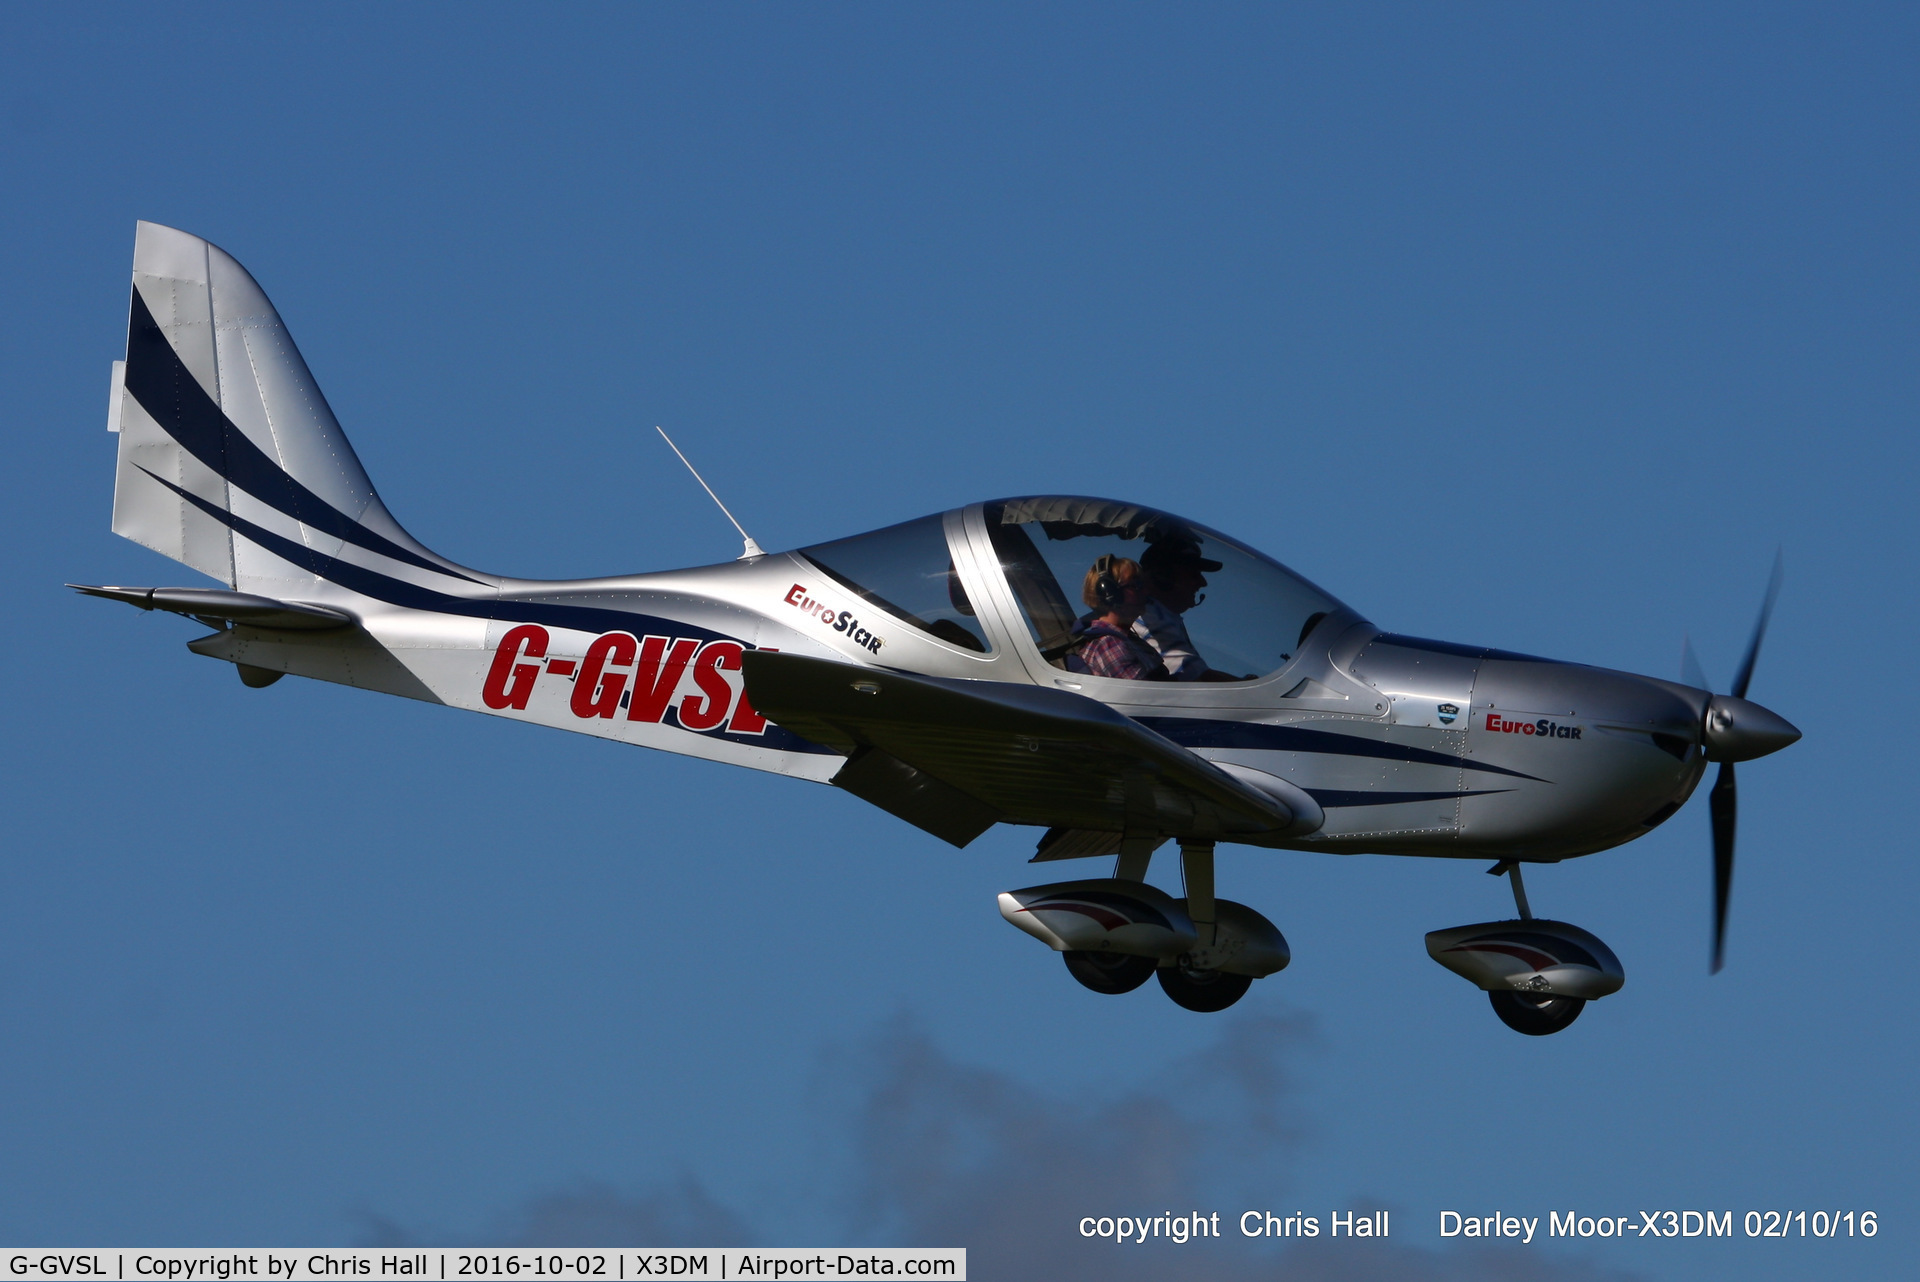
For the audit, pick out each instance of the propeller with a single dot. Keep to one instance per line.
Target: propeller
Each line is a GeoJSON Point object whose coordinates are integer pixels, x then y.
{"type": "Point", "coordinates": [1734, 730]}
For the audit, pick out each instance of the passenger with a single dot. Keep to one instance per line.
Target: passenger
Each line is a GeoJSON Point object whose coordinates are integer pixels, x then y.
{"type": "Point", "coordinates": [1115, 590]}
{"type": "Point", "coordinates": [1175, 573]}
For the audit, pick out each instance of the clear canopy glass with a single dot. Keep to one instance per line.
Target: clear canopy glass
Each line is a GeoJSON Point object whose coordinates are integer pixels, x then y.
{"type": "Point", "coordinates": [907, 571]}
{"type": "Point", "coordinates": [1239, 613]}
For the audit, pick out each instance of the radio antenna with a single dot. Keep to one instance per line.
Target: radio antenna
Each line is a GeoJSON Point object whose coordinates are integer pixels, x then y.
{"type": "Point", "coordinates": [753, 549]}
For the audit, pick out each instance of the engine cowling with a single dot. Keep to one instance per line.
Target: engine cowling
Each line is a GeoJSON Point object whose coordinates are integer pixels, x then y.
{"type": "Point", "coordinates": [1109, 914]}
{"type": "Point", "coordinates": [1551, 958]}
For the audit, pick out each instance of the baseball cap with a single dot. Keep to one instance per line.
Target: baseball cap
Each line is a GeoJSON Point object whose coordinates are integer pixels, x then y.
{"type": "Point", "coordinates": [1175, 551]}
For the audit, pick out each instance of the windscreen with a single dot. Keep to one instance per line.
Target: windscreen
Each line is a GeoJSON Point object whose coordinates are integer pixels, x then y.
{"type": "Point", "coordinates": [1239, 614]}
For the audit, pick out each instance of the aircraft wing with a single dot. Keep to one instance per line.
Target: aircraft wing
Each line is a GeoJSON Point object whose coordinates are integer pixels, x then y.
{"type": "Point", "coordinates": [955, 757]}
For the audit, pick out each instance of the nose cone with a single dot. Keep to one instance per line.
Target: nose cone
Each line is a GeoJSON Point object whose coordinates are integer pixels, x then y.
{"type": "Point", "coordinates": [1740, 730]}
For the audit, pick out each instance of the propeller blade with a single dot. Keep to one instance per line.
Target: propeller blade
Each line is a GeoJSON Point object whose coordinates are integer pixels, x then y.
{"type": "Point", "coordinates": [1691, 673]}
{"type": "Point", "coordinates": [1723, 803]}
{"type": "Point", "coordinates": [1745, 674]}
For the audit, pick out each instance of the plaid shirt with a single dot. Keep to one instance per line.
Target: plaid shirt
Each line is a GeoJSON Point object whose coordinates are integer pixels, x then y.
{"type": "Point", "coordinates": [1113, 653]}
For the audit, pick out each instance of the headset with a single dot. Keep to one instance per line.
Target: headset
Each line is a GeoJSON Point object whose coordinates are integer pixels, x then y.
{"type": "Point", "coordinates": [1107, 589]}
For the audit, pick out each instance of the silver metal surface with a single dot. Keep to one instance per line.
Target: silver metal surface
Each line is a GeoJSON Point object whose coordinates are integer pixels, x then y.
{"type": "Point", "coordinates": [1548, 958]}
{"type": "Point", "coordinates": [1741, 730]}
{"type": "Point", "coordinates": [1103, 915]}
{"type": "Point", "coordinates": [218, 603]}
{"type": "Point", "coordinates": [229, 460]}
{"type": "Point", "coordinates": [1113, 915]}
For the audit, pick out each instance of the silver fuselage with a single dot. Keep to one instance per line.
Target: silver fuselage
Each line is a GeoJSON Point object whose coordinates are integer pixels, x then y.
{"type": "Point", "coordinates": [1412, 747]}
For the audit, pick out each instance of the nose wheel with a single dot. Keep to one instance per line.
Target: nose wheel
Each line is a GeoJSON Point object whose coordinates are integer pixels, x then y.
{"type": "Point", "coordinates": [1534, 1015]}
{"type": "Point", "coordinates": [1538, 974]}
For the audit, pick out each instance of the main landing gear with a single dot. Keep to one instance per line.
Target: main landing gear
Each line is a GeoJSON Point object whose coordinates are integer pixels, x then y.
{"type": "Point", "coordinates": [1115, 933]}
{"type": "Point", "coordinates": [1538, 974]}
{"type": "Point", "coordinates": [1198, 988]}
{"type": "Point", "coordinates": [1111, 973]}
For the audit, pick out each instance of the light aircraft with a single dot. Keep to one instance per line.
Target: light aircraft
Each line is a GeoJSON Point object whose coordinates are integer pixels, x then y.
{"type": "Point", "coordinates": [1045, 660]}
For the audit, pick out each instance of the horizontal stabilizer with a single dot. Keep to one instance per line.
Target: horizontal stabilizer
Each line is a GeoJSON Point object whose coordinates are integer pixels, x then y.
{"type": "Point", "coordinates": [1028, 755]}
{"type": "Point", "coordinates": [219, 603]}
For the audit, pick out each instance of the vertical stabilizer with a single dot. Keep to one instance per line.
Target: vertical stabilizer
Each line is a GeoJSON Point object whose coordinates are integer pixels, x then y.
{"type": "Point", "coordinates": [229, 458]}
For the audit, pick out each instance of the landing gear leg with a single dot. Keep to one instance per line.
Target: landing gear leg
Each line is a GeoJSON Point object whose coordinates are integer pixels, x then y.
{"type": "Point", "coordinates": [1511, 867]}
{"type": "Point", "coordinates": [1193, 981]}
{"type": "Point", "coordinates": [1196, 874]}
{"type": "Point", "coordinates": [1136, 852]}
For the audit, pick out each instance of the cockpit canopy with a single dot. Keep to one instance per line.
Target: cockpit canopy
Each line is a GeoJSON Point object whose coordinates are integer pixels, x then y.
{"type": "Point", "coordinates": [907, 570]}
{"type": "Point", "coordinates": [1250, 615]}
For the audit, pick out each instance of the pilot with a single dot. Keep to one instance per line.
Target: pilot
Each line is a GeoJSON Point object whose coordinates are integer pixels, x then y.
{"type": "Point", "coordinates": [1175, 573]}
{"type": "Point", "coordinates": [1115, 591]}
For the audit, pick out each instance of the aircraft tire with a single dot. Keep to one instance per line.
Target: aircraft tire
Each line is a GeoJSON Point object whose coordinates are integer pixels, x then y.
{"type": "Point", "coordinates": [1111, 973]}
{"type": "Point", "coordinates": [1535, 1016]}
{"type": "Point", "coordinates": [1203, 990]}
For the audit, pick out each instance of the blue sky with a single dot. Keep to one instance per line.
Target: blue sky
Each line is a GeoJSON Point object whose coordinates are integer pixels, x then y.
{"type": "Point", "coordinates": [1536, 328]}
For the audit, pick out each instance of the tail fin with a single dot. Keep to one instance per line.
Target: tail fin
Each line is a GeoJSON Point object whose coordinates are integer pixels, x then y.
{"type": "Point", "coordinates": [229, 458]}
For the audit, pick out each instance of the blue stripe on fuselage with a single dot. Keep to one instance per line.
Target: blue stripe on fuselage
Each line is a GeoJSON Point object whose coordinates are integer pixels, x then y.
{"type": "Point", "coordinates": [578, 618]}
{"type": "Point", "coordinates": [1200, 732]}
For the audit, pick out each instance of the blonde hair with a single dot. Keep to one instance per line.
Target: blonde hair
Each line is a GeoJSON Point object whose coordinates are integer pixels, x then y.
{"type": "Point", "coordinates": [1123, 572]}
